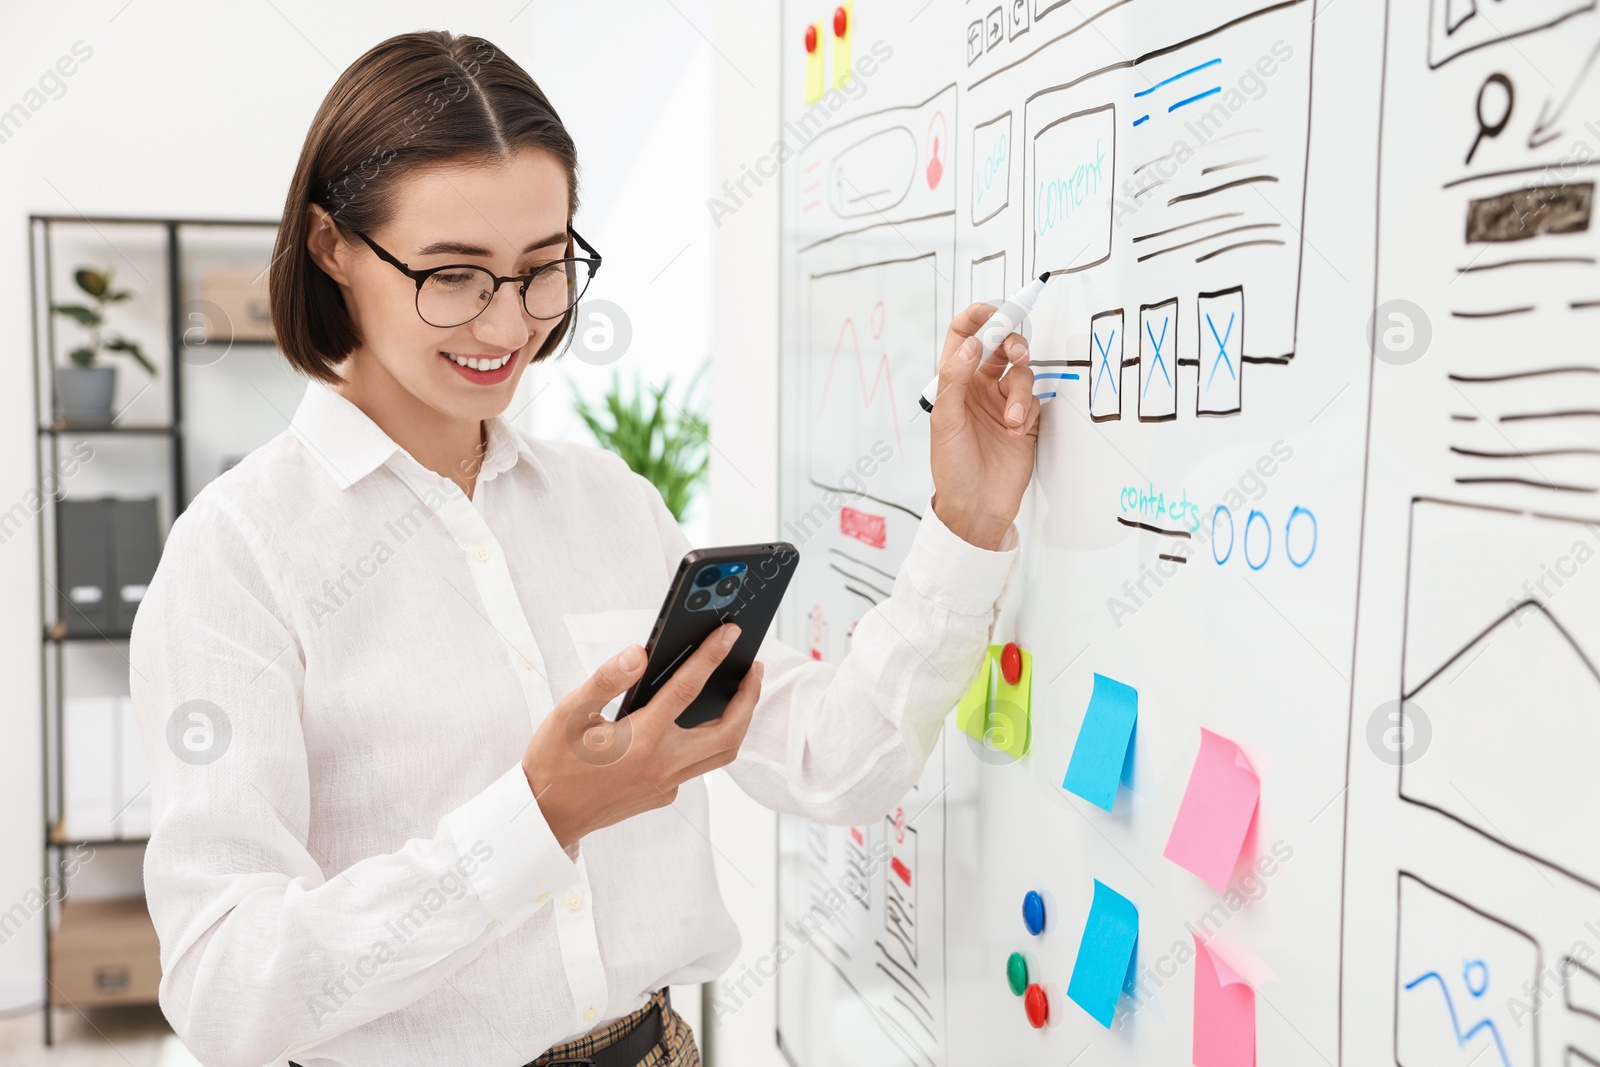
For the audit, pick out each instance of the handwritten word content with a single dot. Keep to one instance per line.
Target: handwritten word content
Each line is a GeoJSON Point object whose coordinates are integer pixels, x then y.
{"type": "Point", "coordinates": [1072, 192]}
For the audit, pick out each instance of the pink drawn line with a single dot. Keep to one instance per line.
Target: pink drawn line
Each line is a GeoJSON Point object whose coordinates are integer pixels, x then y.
{"type": "Point", "coordinates": [808, 207]}
{"type": "Point", "coordinates": [814, 185]}
{"type": "Point", "coordinates": [813, 166]}
{"type": "Point", "coordinates": [868, 393]}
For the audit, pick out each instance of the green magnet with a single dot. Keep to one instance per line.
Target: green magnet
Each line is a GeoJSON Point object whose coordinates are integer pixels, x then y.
{"type": "Point", "coordinates": [1017, 973]}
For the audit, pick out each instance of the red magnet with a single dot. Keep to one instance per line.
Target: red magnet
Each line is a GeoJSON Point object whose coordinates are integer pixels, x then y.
{"type": "Point", "coordinates": [1010, 663]}
{"type": "Point", "coordinates": [841, 22]}
{"type": "Point", "coordinates": [811, 38]}
{"type": "Point", "coordinates": [1037, 1005]}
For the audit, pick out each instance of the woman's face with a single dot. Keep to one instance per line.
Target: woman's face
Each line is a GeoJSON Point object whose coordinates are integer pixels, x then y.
{"type": "Point", "coordinates": [508, 218]}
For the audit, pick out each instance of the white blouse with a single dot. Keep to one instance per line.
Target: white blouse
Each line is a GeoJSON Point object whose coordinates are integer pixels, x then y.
{"type": "Point", "coordinates": [336, 670]}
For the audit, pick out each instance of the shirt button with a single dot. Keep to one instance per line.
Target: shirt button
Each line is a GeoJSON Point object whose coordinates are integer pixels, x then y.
{"type": "Point", "coordinates": [483, 555]}
{"type": "Point", "coordinates": [527, 663]}
{"type": "Point", "coordinates": [574, 900]}
{"type": "Point", "coordinates": [591, 1014]}
{"type": "Point", "coordinates": [541, 898]}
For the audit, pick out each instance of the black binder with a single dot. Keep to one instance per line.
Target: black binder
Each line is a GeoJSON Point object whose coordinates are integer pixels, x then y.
{"type": "Point", "coordinates": [106, 554]}
{"type": "Point", "coordinates": [83, 567]}
{"type": "Point", "coordinates": [135, 548]}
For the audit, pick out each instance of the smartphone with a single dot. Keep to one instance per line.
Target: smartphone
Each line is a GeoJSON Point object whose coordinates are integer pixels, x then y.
{"type": "Point", "coordinates": [742, 584]}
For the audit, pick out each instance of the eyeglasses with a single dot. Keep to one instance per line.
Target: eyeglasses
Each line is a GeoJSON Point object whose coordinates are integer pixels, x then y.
{"type": "Point", "coordinates": [457, 293]}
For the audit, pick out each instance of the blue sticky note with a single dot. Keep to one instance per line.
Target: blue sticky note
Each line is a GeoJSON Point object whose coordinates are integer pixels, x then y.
{"type": "Point", "coordinates": [1106, 955]}
{"type": "Point", "coordinates": [1103, 755]}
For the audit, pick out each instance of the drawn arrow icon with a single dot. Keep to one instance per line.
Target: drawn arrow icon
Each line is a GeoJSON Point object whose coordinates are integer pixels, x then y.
{"type": "Point", "coordinates": [1542, 133]}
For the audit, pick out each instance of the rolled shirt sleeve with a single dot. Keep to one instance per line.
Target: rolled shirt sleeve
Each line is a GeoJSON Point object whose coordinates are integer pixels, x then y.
{"type": "Point", "coordinates": [842, 743]}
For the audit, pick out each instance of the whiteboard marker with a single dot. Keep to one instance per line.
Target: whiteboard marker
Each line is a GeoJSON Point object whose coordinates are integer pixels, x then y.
{"type": "Point", "coordinates": [1001, 324]}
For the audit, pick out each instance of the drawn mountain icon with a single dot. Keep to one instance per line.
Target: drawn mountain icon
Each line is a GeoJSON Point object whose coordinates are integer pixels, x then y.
{"type": "Point", "coordinates": [1515, 732]}
{"type": "Point", "coordinates": [1457, 12]}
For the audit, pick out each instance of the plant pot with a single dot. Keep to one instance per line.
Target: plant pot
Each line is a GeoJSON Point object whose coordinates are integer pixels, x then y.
{"type": "Point", "coordinates": [83, 394]}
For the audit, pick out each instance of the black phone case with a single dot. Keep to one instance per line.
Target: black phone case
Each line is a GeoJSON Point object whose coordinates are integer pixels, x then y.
{"type": "Point", "coordinates": [678, 630]}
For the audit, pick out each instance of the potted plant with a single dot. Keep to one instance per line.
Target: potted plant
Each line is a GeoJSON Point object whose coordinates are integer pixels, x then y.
{"type": "Point", "coordinates": [656, 438]}
{"type": "Point", "coordinates": [84, 389]}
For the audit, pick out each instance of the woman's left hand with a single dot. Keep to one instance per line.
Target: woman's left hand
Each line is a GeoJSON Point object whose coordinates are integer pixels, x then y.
{"type": "Point", "coordinates": [984, 430]}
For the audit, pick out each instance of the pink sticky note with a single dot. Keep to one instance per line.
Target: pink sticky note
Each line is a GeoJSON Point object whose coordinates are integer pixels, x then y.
{"type": "Point", "coordinates": [1216, 811]}
{"type": "Point", "coordinates": [1224, 1013]}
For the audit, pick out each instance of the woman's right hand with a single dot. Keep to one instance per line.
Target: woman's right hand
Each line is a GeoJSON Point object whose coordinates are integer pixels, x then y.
{"type": "Point", "coordinates": [587, 772]}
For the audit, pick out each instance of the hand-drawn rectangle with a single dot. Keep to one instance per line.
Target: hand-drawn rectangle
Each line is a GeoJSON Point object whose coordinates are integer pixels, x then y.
{"type": "Point", "coordinates": [1524, 213]}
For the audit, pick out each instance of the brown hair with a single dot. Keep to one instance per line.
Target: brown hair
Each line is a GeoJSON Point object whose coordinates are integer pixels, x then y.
{"type": "Point", "coordinates": [414, 101]}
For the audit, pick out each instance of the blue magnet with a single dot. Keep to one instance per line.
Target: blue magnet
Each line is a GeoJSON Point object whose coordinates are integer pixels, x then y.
{"type": "Point", "coordinates": [1033, 912]}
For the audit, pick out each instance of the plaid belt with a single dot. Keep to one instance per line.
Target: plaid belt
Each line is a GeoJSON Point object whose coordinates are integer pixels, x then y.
{"type": "Point", "coordinates": [653, 1036]}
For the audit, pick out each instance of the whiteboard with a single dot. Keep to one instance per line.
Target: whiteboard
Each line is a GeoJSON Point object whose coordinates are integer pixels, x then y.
{"type": "Point", "coordinates": [1366, 564]}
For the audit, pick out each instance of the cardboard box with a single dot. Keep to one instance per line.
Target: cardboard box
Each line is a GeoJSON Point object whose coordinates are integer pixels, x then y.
{"type": "Point", "coordinates": [240, 295]}
{"type": "Point", "coordinates": [105, 952]}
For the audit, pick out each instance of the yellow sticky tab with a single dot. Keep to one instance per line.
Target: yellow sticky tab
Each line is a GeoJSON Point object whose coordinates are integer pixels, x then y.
{"type": "Point", "coordinates": [814, 63]}
{"type": "Point", "coordinates": [972, 714]}
{"type": "Point", "coordinates": [1010, 720]}
{"type": "Point", "coordinates": [842, 52]}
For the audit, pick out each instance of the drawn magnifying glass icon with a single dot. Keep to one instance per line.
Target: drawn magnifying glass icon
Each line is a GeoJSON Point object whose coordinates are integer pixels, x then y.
{"type": "Point", "coordinates": [1486, 128]}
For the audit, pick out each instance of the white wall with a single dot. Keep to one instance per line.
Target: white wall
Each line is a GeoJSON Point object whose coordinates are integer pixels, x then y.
{"type": "Point", "coordinates": [744, 464]}
{"type": "Point", "coordinates": [199, 110]}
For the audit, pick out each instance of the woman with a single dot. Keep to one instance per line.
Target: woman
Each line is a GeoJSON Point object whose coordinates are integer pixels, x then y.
{"type": "Point", "coordinates": [391, 825]}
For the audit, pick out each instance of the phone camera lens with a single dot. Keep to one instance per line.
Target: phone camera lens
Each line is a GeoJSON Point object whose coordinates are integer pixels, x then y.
{"type": "Point", "coordinates": [708, 576]}
{"type": "Point", "coordinates": [699, 599]}
{"type": "Point", "coordinates": [728, 586]}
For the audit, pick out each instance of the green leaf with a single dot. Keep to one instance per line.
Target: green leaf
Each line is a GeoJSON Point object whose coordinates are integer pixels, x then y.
{"type": "Point", "coordinates": [83, 316]}
{"type": "Point", "coordinates": [119, 296]}
{"type": "Point", "coordinates": [83, 357]}
{"type": "Point", "coordinates": [661, 440]}
{"type": "Point", "coordinates": [121, 344]}
{"type": "Point", "coordinates": [92, 282]}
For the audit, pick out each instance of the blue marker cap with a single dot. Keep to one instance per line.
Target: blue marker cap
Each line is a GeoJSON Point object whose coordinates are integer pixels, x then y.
{"type": "Point", "coordinates": [1033, 912]}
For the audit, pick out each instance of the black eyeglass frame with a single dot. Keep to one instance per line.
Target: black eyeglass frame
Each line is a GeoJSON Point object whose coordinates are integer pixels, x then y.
{"type": "Point", "coordinates": [421, 276]}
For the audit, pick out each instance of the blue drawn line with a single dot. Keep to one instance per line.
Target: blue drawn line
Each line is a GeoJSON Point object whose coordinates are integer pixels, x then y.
{"type": "Point", "coordinates": [1141, 120]}
{"type": "Point", "coordinates": [1196, 96]}
{"type": "Point", "coordinates": [1105, 362]}
{"type": "Point", "coordinates": [1222, 348]}
{"type": "Point", "coordinates": [1463, 1038]}
{"type": "Point", "coordinates": [1067, 377]}
{"type": "Point", "coordinates": [1175, 77]}
{"type": "Point", "coordinates": [1157, 345]}
{"type": "Point", "coordinates": [1044, 396]}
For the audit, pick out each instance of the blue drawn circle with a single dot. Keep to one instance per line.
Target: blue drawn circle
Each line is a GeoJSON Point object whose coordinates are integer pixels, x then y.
{"type": "Point", "coordinates": [1479, 968]}
{"type": "Point", "coordinates": [1288, 551]}
{"type": "Point", "coordinates": [1222, 509]}
{"type": "Point", "coordinates": [1254, 515]}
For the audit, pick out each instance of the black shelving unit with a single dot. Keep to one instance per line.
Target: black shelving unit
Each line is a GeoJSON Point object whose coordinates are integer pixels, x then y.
{"type": "Point", "coordinates": [42, 230]}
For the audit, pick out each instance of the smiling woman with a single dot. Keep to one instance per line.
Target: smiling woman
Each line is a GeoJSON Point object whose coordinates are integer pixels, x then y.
{"type": "Point", "coordinates": [416, 838]}
{"type": "Point", "coordinates": [428, 153]}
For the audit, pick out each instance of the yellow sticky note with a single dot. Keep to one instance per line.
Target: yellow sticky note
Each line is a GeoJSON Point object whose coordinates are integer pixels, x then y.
{"type": "Point", "coordinates": [842, 60]}
{"type": "Point", "coordinates": [814, 64]}
{"type": "Point", "coordinates": [972, 714]}
{"type": "Point", "coordinates": [1010, 717]}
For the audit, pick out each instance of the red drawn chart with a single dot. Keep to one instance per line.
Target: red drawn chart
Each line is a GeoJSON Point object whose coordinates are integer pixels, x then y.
{"type": "Point", "coordinates": [849, 344]}
{"type": "Point", "coordinates": [873, 346]}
